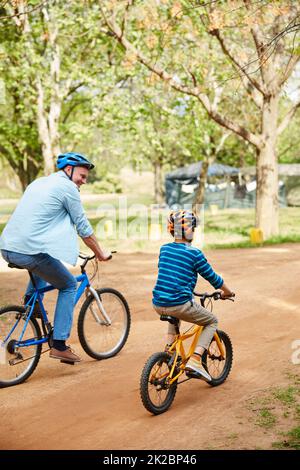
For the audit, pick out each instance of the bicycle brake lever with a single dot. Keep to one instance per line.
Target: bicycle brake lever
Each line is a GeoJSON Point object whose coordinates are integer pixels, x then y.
{"type": "Point", "coordinates": [225, 298]}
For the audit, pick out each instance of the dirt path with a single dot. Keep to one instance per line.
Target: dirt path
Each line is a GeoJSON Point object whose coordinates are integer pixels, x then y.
{"type": "Point", "coordinates": [96, 405]}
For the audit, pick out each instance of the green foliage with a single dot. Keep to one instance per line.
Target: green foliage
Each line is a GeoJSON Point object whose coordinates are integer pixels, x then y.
{"type": "Point", "coordinates": [64, 53]}
{"type": "Point", "coordinates": [114, 109]}
{"type": "Point", "coordinates": [289, 142]}
{"type": "Point", "coordinates": [108, 185]}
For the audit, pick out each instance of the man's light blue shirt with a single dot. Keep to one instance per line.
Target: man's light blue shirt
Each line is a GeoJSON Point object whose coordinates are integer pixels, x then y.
{"type": "Point", "coordinates": [47, 220]}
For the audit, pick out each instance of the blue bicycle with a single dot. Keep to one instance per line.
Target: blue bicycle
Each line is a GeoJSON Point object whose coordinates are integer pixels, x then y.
{"type": "Point", "coordinates": [103, 327]}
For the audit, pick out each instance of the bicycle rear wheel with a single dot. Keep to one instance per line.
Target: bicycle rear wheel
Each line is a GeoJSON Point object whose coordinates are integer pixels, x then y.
{"type": "Point", "coordinates": [19, 363]}
{"type": "Point", "coordinates": [156, 393]}
{"type": "Point", "coordinates": [99, 340]}
{"type": "Point", "coordinates": [217, 366]}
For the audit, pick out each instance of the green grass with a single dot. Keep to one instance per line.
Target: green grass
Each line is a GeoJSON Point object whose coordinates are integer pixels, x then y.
{"type": "Point", "coordinates": [277, 411]}
{"type": "Point", "coordinates": [287, 395]}
{"type": "Point", "coordinates": [292, 440]}
{"type": "Point", "coordinates": [266, 418]}
{"type": "Point", "coordinates": [231, 223]}
{"type": "Point", "coordinates": [247, 244]}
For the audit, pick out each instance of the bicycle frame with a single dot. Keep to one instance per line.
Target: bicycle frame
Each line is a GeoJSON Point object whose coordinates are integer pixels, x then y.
{"type": "Point", "coordinates": [38, 296]}
{"type": "Point", "coordinates": [178, 348]}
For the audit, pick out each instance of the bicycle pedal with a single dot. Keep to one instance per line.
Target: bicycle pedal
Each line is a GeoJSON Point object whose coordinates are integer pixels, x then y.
{"type": "Point", "coordinates": [192, 375]}
{"type": "Point", "coordinates": [67, 362]}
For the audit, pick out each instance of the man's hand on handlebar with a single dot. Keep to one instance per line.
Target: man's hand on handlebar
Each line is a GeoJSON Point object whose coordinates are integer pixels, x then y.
{"type": "Point", "coordinates": [104, 255]}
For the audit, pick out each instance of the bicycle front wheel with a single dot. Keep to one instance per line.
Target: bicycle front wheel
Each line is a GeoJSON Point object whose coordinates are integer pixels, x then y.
{"type": "Point", "coordinates": [156, 393]}
{"type": "Point", "coordinates": [17, 363]}
{"type": "Point", "coordinates": [217, 366]}
{"type": "Point", "coordinates": [98, 339]}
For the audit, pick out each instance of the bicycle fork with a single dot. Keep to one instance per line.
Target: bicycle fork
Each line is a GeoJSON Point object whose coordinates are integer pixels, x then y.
{"type": "Point", "coordinates": [106, 320]}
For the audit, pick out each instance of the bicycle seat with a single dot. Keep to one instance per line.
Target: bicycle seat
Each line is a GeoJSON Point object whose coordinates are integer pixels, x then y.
{"type": "Point", "coordinates": [12, 265]}
{"type": "Point", "coordinates": [172, 320]}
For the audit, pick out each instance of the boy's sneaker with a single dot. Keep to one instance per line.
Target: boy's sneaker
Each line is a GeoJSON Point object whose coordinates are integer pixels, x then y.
{"type": "Point", "coordinates": [195, 368]}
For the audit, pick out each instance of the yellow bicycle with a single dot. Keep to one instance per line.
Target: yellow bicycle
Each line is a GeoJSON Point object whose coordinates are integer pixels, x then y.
{"type": "Point", "coordinates": [161, 373]}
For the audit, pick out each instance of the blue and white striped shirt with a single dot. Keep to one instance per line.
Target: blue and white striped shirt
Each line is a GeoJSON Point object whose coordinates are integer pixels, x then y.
{"type": "Point", "coordinates": [178, 267]}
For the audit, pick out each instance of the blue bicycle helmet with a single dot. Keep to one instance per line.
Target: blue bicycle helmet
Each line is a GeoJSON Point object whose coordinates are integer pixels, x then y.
{"type": "Point", "coordinates": [73, 159]}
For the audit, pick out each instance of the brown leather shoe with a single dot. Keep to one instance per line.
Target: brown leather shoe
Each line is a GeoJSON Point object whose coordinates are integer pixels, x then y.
{"type": "Point", "coordinates": [68, 355]}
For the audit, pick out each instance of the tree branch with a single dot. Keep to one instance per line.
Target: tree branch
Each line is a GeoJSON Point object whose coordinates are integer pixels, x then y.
{"type": "Point", "coordinates": [252, 92]}
{"type": "Point", "coordinates": [289, 147]}
{"type": "Point", "coordinates": [294, 59]}
{"type": "Point", "coordinates": [176, 85]}
{"type": "Point", "coordinates": [73, 106]}
{"type": "Point", "coordinates": [287, 118]}
{"type": "Point", "coordinates": [222, 142]}
{"type": "Point", "coordinates": [129, 3]}
{"type": "Point", "coordinates": [242, 69]}
{"type": "Point", "coordinates": [72, 90]}
{"type": "Point", "coordinates": [260, 46]}
{"type": "Point", "coordinates": [22, 11]}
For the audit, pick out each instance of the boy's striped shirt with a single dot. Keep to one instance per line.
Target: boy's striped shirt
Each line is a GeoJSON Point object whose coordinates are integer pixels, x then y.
{"type": "Point", "coordinates": [178, 267]}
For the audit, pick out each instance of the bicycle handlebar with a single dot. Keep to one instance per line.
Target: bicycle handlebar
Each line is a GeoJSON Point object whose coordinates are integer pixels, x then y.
{"type": "Point", "coordinates": [86, 257]}
{"type": "Point", "coordinates": [89, 258]}
{"type": "Point", "coordinates": [217, 295]}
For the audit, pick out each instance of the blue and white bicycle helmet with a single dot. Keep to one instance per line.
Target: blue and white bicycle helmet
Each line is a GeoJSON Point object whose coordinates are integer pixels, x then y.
{"type": "Point", "coordinates": [73, 159]}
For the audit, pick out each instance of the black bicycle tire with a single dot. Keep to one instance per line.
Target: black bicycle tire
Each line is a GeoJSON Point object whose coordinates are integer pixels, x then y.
{"type": "Point", "coordinates": [144, 393]}
{"type": "Point", "coordinates": [80, 329]}
{"type": "Point", "coordinates": [228, 360]}
{"type": "Point", "coordinates": [17, 381]}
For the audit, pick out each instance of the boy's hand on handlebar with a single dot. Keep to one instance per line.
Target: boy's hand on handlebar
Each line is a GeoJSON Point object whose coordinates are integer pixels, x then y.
{"type": "Point", "coordinates": [226, 293]}
{"type": "Point", "coordinates": [230, 295]}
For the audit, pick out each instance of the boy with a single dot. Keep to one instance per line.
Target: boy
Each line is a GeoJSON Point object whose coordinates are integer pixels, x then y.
{"type": "Point", "coordinates": [178, 268]}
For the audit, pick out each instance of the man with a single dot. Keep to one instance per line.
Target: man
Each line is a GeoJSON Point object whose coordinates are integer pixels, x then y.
{"type": "Point", "coordinates": [42, 232]}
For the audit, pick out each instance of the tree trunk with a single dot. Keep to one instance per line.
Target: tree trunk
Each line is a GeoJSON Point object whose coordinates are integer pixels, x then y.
{"type": "Point", "coordinates": [43, 129]}
{"type": "Point", "coordinates": [48, 118]}
{"type": "Point", "coordinates": [25, 175]}
{"type": "Point", "coordinates": [199, 196]}
{"type": "Point", "coordinates": [56, 100]}
{"type": "Point", "coordinates": [267, 172]}
{"type": "Point", "coordinates": [54, 114]}
{"type": "Point", "coordinates": [210, 157]}
{"type": "Point", "coordinates": [158, 187]}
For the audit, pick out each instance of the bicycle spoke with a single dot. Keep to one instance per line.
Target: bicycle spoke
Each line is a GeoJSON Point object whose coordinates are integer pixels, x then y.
{"type": "Point", "coordinates": [20, 361]}
{"type": "Point", "coordinates": [156, 392]}
{"type": "Point", "coordinates": [217, 365]}
{"type": "Point", "coordinates": [99, 339]}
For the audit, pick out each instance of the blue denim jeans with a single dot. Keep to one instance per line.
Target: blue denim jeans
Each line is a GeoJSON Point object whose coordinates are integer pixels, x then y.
{"type": "Point", "coordinates": [46, 269]}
